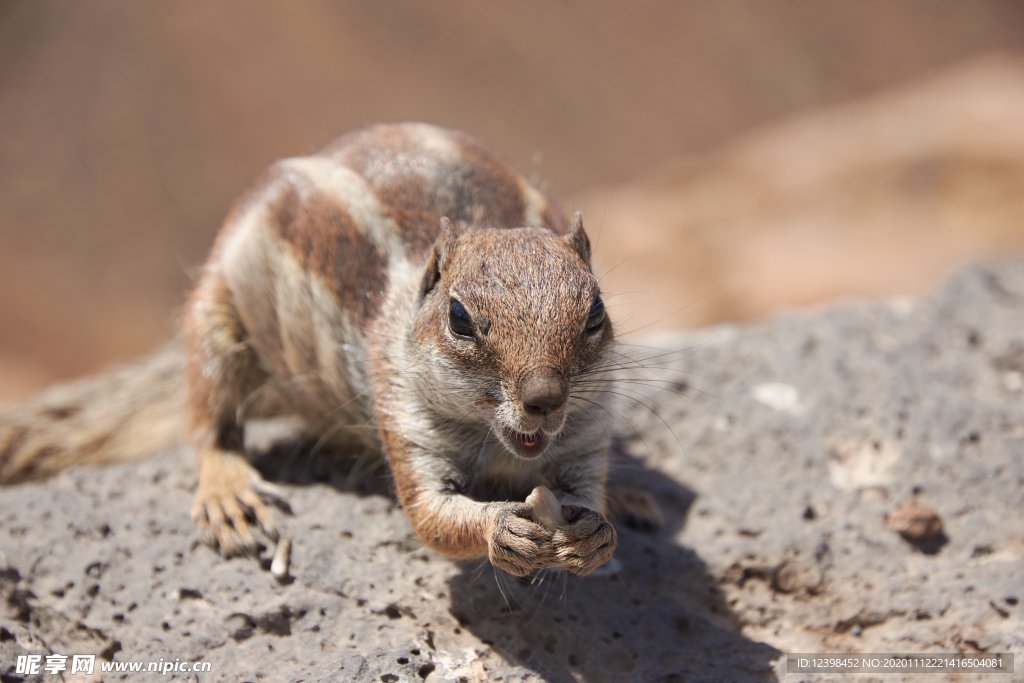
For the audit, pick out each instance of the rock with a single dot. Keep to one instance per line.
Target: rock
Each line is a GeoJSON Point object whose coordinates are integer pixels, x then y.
{"type": "Point", "coordinates": [774, 537]}
{"type": "Point", "coordinates": [914, 521]}
{"type": "Point", "coordinates": [919, 525]}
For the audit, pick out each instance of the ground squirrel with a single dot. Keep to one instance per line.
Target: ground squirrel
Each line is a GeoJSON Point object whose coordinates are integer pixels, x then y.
{"type": "Point", "coordinates": [404, 293]}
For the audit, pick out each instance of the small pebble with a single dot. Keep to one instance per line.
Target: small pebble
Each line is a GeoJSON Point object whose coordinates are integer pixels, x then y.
{"type": "Point", "coordinates": [914, 521]}
{"type": "Point", "coordinates": [282, 559]}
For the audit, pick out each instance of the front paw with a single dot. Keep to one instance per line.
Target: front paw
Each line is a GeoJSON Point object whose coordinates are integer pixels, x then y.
{"type": "Point", "coordinates": [517, 544]}
{"type": "Point", "coordinates": [229, 502]}
{"type": "Point", "coordinates": [585, 542]}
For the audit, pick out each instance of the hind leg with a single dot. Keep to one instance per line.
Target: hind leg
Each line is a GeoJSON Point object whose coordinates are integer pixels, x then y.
{"type": "Point", "coordinates": [634, 507]}
{"type": "Point", "coordinates": [222, 374]}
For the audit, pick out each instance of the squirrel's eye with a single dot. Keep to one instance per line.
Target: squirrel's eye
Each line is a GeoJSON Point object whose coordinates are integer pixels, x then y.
{"type": "Point", "coordinates": [596, 317]}
{"type": "Point", "coordinates": [459, 321]}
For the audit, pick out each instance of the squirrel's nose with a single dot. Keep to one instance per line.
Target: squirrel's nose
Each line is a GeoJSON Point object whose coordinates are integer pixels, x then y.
{"type": "Point", "coordinates": [543, 392]}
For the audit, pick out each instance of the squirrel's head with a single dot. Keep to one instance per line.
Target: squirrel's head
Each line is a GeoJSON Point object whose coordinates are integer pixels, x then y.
{"type": "Point", "coordinates": [512, 319]}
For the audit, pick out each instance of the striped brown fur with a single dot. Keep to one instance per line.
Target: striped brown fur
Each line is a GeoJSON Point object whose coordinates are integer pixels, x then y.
{"type": "Point", "coordinates": [326, 241]}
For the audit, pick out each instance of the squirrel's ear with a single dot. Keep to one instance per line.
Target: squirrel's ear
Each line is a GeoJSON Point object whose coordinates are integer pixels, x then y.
{"type": "Point", "coordinates": [438, 256]}
{"type": "Point", "coordinates": [577, 238]}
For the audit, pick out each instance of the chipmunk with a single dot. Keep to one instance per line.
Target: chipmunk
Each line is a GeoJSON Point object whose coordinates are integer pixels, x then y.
{"type": "Point", "coordinates": [404, 293]}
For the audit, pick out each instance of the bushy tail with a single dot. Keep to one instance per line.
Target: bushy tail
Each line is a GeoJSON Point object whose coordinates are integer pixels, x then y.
{"type": "Point", "coordinates": [126, 413]}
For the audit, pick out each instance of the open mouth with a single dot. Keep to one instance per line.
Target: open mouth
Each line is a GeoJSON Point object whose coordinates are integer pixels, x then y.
{"type": "Point", "coordinates": [526, 445]}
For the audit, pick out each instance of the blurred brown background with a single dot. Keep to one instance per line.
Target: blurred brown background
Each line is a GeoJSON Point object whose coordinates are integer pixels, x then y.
{"type": "Point", "coordinates": [732, 158]}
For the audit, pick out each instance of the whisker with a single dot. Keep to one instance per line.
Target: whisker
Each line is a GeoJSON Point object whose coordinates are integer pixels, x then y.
{"type": "Point", "coordinates": [678, 387]}
{"type": "Point", "coordinates": [654, 412]}
{"type": "Point", "coordinates": [636, 432]}
{"type": "Point", "coordinates": [613, 268]}
{"type": "Point", "coordinates": [663, 318]}
{"type": "Point", "coordinates": [501, 589]}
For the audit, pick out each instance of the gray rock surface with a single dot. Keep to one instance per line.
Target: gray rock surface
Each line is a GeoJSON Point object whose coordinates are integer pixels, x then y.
{"type": "Point", "coordinates": [777, 452]}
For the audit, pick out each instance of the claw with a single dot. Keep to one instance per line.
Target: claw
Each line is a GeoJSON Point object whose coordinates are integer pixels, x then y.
{"type": "Point", "coordinates": [586, 543]}
{"type": "Point", "coordinates": [253, 501]}
{"type": "Point", "coordinates": [518, 545]}
{"type": "Point", "coordinates": [271, 493]}
{"type": "Point", "coordinates": [229, 503]}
